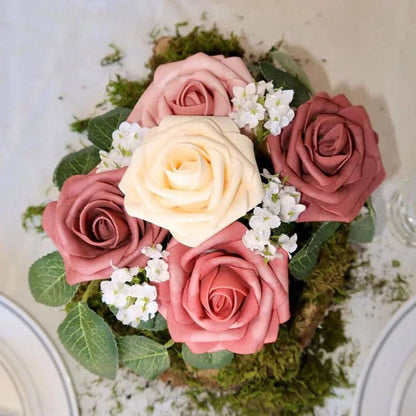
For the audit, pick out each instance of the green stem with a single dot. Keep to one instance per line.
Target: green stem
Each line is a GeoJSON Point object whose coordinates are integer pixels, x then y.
{"type": "Point", "coordinates": [91, 288]}
{"type": "Point", "coordinates": [169, 343]}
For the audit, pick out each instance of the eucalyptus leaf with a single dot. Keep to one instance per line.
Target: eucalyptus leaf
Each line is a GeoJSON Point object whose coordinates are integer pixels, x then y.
{"type": "Point", "coordinates": [158, 323]}
{"type": "Point", "coordinates": [100, 129]}
{"type": "Point", "coordinates": [282, 79]}
{"type": "Point", "coordinates": [212, 360]}
{"type": "Point", "coordinates": [144, 356]}
{"type": "Point", "coordinates": [362, 229]}
{"type": "Point", "coordinates": [290, 65]}
{"type": "Point", "coordinates": [89, 339]}
{"type": "Point", "coordinates": [78, 163]}
{"type": "Point", "coordinates": [47, 281]}
{"type": "Point", "coordinates": [304, 261]}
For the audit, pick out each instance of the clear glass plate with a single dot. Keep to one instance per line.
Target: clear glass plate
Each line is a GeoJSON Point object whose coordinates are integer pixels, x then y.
{"type": "Point", "coordinates": [387, 386]}
{"type": "Point", "coordinates": [31, 368]}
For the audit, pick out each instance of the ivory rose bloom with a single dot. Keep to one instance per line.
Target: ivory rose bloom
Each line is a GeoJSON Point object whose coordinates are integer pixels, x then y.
{"type": "Point", "coordinates": [192, 176]}
{"type": "Point", "coordinates": [223, 296]}
{"type": "Point", "coordinates": [200, 85]}
{"type": "Point", "coordinates": [330, 154]}
{"type": "Point", "coordinates": [91, 229]}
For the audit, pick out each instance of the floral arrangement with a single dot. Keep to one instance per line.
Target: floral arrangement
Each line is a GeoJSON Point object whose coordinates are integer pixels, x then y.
{"type": "Point", "coordinates": [194, 227]}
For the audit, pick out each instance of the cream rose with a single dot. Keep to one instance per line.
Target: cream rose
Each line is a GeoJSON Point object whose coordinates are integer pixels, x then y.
{"type": "Point", "coordinates": [193, 176]}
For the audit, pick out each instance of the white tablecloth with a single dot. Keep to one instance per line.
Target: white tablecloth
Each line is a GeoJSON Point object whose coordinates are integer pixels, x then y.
{"type": "Point", "coordinates": [50, 72]}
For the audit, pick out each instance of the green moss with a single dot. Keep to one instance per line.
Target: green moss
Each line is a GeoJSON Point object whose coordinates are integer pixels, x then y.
{"type": "Point", "coordinates": [116, 56]}
{"type": "Point", "coordinates": [32, 218]}
{"type": "Point", "coordinates": [210, 41]}
{"type": "Point", "coordinates": [399, 289]}
{"type": "Point", "coordinates": [395, 263]}
{"type": "Point", "coordinates": [79, 125]}
{"type": "Point", "coordinates": [122, 92]}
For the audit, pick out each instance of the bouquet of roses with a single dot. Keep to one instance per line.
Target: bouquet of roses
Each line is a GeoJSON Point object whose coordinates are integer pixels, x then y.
{"type": "Point", "coordinates": [177, 229]}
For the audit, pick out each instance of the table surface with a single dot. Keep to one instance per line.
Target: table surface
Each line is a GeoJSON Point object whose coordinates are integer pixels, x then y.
{"type": "Point", "coordinates": [52, 72]}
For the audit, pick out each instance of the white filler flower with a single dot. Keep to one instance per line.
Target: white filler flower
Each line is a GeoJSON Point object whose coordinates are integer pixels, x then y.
{"type": "Point", "coordinates": [126, 139]}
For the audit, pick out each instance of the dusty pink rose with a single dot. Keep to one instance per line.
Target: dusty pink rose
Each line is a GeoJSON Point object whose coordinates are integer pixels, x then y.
{"type": "Point", "coordinates": [200, 85]}
{"type": "Point", "coordinates": [330, 154]}
{"type": "Point", "coordinates": [222, 296]}
{"type": "Point", "coordinates": [91, 230]}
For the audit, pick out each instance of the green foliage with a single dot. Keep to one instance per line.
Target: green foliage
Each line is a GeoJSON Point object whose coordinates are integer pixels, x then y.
{"type": "Point", "coordinates": [363, 228]}
{"type": "Point", "coordinates": [47, 281]}
{"type": "Point", "coordinates": [78, 163]}
{"type": "Point", "coordinates": [89, 339]}
{"type": "Point", "coordinates": [209, 360]}
{"type": "Point", "coordinates": [144, 356]}
{"type": "Point", "coordinates": [100, 129]}
{"type": "Point", "coordinates": [158, 323]}
{"type": "Point", "coordinates": [116, 56]}
{"type": "Point", "coordinates": [304, 261]}
{"type": "Point", "coordinates": [209, 41]}
{"type": "Point", "coordinates": [291, 67]}
{"type": "Point", "coordinates": [282, 79]}
{"type": "Point", "coordinates": [32, 218]}
{"type": "Point", "coordinates": [122, 92]}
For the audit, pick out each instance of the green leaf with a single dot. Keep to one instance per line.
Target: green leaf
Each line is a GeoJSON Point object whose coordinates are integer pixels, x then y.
{"type": "Point", "coordinates": [290, 65]}
{"type": "Point", "coordinates": [158, 323]}
{"type": "Point", "coordinates": [282, 79]}
{"type": "Point", "coordinates": [304, 261]}
{"type": "Point", "coordinates": [144, 356]}
{"type": "Point", "coordinates": [362, 229]}
{"type": "Point", "coordinates": [77, 163]}
{"type": "Point", "coordinates": [100, 129]}
{"type": "Point", "coordinates": [89, 339]}
{"type": "Point", "coordinates": [204, 361]}
{"type": "Point", "coordinates": [47, 281]}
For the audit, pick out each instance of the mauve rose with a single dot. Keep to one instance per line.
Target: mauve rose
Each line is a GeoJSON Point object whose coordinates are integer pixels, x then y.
{"type": "Point", "coordinates": [222, 296]}
{"type": "Point", "coordinates": [200, 85]}
{"type": "Point", "coordinates": [91, 230]}
{"type": "Point", "coordinates": [330, 154]}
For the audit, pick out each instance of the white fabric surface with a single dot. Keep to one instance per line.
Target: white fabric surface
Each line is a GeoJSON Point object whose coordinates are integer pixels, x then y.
{"type": "Point", "coordinates": [51, 49]}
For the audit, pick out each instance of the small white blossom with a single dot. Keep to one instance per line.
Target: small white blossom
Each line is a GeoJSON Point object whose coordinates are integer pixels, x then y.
{"type": "Point", "coordinates": [291, 190]}
{"type": "Point", "coordinates": [288, 243]}
{"type": "Point", "coordinates": [142, 305]}
{"type": "Point", "coordinates": [114, 293]}
{"type": "Point", "coordinates": [270, 252]}
{"type": "Point", "coordinates": [126, 139]}
{"type": "Point", "coordinates": [157, 270]}
{"type": "Point", "coordinates": [263, 219]}
{"type": "Point", "coordinates": [290, 210]}
{"type": "Point", "coordinates": [256, 240]}
{"type": "Point", "coordinates": [279, 99]}
{"type": "Point", "coordinates": [155, 252]}
{"type": "Point", "coordinates": [121, 275]}
{"type": "Point", "coordinates": [244, 96]}
{"type": "Point", "coordinates": [364, 211]}
{"type": "Point", "coordinates": [271, 199]}
{"type": "Point", "coordinates": [262, 87]}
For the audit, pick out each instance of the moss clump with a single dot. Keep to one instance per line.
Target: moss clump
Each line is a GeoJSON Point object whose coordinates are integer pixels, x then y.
{"type": "Point", "coordinates": [79, 125]}
{"type": "Point", "coordinates": [32, 218]}
{"type": "Point", "coordinates": [210, 41]}
{"type": "Point", "coordinates": [122, 92]}
{"type": "Point", "coordinates": [116, 56]}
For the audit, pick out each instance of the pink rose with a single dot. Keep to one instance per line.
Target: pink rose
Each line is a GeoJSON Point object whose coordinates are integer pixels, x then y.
{"type": "Point", "coordinates": [330, 154]}
{"type": "Point", "coordinates": [91, 229]}
{"type": "Point", "coordinates": [200, 85]}
{"type": "Point", "coordinates": [222, 296]}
